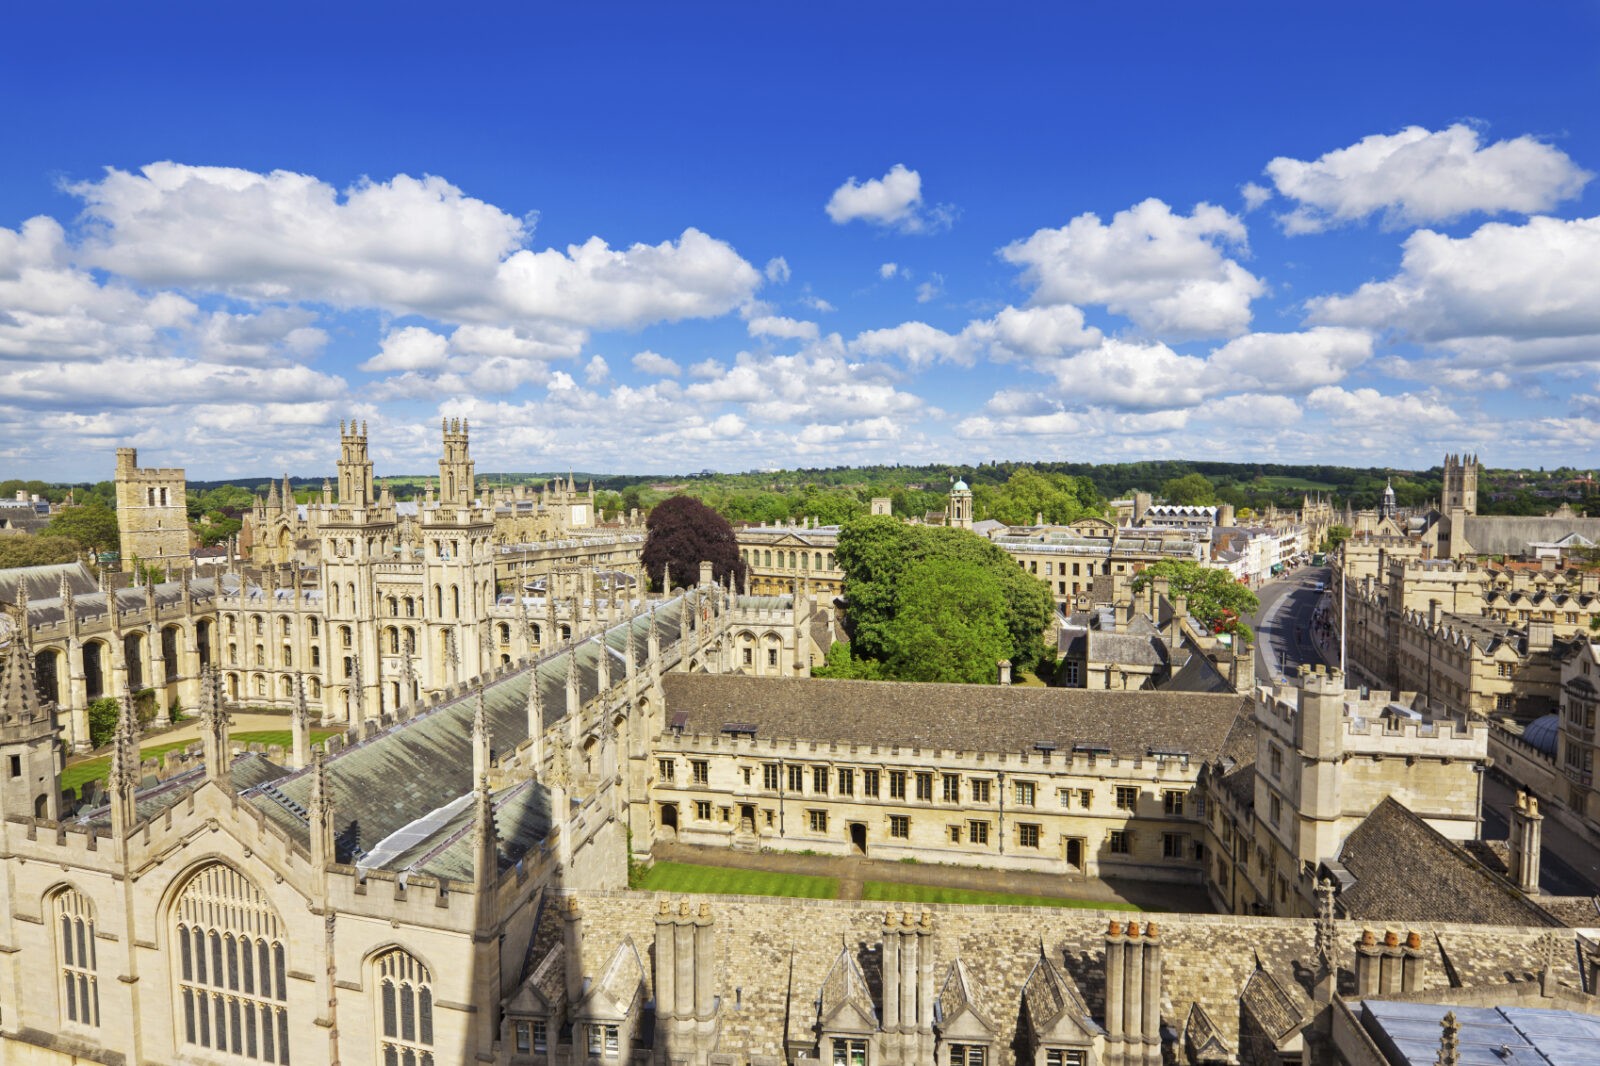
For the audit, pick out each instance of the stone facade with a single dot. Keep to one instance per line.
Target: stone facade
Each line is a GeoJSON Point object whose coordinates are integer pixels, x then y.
{"type": "Point", "coordinates": [152, 514]}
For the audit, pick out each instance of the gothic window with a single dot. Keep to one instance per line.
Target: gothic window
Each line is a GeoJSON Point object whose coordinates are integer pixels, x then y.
{"type": "Point", "coordinates": [349, 666]}
{"type": "Point", "coordinates": [316, 628]}
{"type": "Point", "coordinates": [394, 640]}
{"type": "Point", "coordinates": [345, 637]}
{"type": "Point", "coordinates": [232, 971]}
{"type": "Point", "coordinates": [505, 633]}
{"type": "Point", "coordinates": [285, 625]}
{"type": "Point", "coordinates": [258, 623]}
{"type": "Point", "coordinates": [75, 957]}
{"type": "Point", "coordinates": [405, 1009]}
{"type": "Point", "coordinates": [316, 655]}
{"type": "Point", "coordinates": [455, 601]}
{"type": "Point", "coordinates": [411, 607]}
{"type": "Point", "coordinates": [394, 607]}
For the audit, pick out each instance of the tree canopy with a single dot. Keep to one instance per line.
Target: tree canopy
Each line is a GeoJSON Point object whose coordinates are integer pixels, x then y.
{"type": "Point", "coordinates": [907, 585]}
{"type": "Point", "coordinates": [92, 526]}
{"type": "Point", "coordinates": [21, 549]}
{"type": "Point", "coordinates": [1214, 596]}
{"type": "Point", "coordinates": [682, 533]}
{"type": "Point", "coordinates": [1028, 494]}
{"type": "Point", "coordinates": [1189, 490]}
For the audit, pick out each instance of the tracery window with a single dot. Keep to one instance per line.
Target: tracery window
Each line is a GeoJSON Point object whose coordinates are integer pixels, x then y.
{"type": "Point", "coordinates": [232, 971]}
{"type": "Point", "coordinates": [405, 1010]}
{"type": "Point", "coordinates": [75, 957]}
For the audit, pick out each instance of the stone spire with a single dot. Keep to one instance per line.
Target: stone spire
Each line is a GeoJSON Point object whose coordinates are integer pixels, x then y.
{"type": "Point", "coordinates": [574, 696]}
{"type": "Point", "coordinates": [1449, 1041]}
{"type": "Point", "coordinates": [484, 835]}
{"type": "Point", "coordinates": [123, 779]}
{"type": "Point", "coordinates": [602, 662]}
{"type": "Point", "coordinates": [629, 663]}
{"type": "Point", "coordinates": [408, 677]}
{"type": "Point", "coordinates": [535, 708]}
{"type": "Point", "coordinates": [482, 739]}
{"type": "Point", "coordinates": [320, 813]}
{"type": "Point", "coordinates": [1326, 932]}
{"type": "Point", "coordinates": [300, 724]}
{"type": "Point", "coordinates": [358, 694]}
{"type": "Point", "coordinates": [19, 688]}
{"type": "Point", "coordinates": [214, 728]}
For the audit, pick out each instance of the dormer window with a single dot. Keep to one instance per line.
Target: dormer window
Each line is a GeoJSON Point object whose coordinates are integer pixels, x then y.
{"type": "Point", "coordinates": [603, 1038]}
{"type": "Point", "coordinates": [1058, 1056]}
{"type": "Point", "coordinates": [969, 1055]}
{"type": "Point", "coordinates": [849, 1052]}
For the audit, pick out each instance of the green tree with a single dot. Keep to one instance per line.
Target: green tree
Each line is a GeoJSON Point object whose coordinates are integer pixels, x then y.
{"type": "Point", "coordinates": [1213, 596]}
{"type": "Point", "coordinates": [949, 625]}
{"type": "Point", "coordinates": [1028, 494]}
{"type": "Point", "coordinates": [1336, 536]}
{"type": "Point", "coordinates": [1189, 490]}
{"type": "Point", "coordinates": [91, 526]}
{"type": "Point", "coordinates": [103, 715]}
{"type": "Point", "coordinates": [838, 663]}
{"type": "Point", "coordinates": [22, 549]}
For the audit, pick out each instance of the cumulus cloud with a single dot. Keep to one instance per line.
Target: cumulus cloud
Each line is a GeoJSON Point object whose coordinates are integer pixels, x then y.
{"type": "Point", "coordinates": [1418, 176]}
{"type": "Point", "coordinates": [1290, 361]}
{"type": "Point", "coordinates": [656, 365]}
{"type": "Point", "coordinates": [1254, 195]}
{"type": "Point", "coordinates": [1529, 293]}
{"type": "Point", "coordinates": [1401, 412]}
{"type": "Point", "coordinates": [411, 348]}
{"type": "Point", "coordinates": [1165, 272]}
{"type": "Point", "coordinates": [888, 270]}
{"type": "Point", "coordinates": [1131, 376]}
{"type": "Point", "coordinates": [777, 270]}
{"type": "Point", "coordinates": [894, 200]}
{"type": "Point", "coordinates": [784, 328]}
{"type": "Point", "coordinates": [817, 304]}
{"type": "Point", "coordinates": [598, 371]}
{"type": "Point", "coordinates": [931, 289]}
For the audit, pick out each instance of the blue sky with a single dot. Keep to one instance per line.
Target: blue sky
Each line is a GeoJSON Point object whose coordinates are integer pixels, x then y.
{"type": "Point", "coordinates": [650, 239]}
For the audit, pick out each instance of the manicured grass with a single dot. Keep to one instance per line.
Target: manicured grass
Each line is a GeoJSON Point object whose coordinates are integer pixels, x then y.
{"type": "Point", "coordinates": [885, 890]}
{"type": "Point", "coordinates": [729, 881]}
{"type": "Point", "coordinates": [78, 774]}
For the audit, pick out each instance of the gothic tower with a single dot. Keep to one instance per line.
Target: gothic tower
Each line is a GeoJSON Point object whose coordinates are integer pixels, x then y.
{"type": "Point", "coordinates": [355, 466]}
{"type": "Point", "coordinates": [458, 569]}
{"type": "Point", "coordinates": [152, 513]}
{"type": "Point", "coordinates": [1460, 484]}
{"type": "Point", "coordinates": [455, 465]}
{"type": "Point", "coordinates": [30, 765]}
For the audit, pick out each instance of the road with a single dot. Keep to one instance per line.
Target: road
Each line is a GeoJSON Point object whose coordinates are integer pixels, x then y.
{"type": "Point", "coordinates": [1568, 864]}
{"type": "Point", "coordinates": [1283, 623]}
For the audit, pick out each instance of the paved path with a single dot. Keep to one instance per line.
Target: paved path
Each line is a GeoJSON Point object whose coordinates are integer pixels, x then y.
{"type": "Point", "coordinates": [1569, 863]}
{"type": "Point", "coordinates": [853, 872]}
{"type": "Point", "coordinates": [1284, 623]}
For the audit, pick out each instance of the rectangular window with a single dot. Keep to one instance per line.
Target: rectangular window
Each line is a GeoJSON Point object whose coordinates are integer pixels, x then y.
{"type": "Point", "coordinates": [700, 771]}
{"type": "Point", "coordinates": [849, 1053]}
{"type": "Point", "coordinates": [899, 827]}
{"type": "Point", "coordinates": [1172, 803]}
{"type": "Point", "coordinates": [1117, 841]}
{"type": "Point", "coordinates": [16, 766]}
{"type": "Point", "coordinates": [925, 787]}
{"type": "Point", "coordinates": [819, 821]}
{"type": "Point", "coordinates": [1024, 793]}
{"type": "Point", "coordinates": [1027, 835]}
{"type": "Point", "coordinates": [668, 769]}
{"type": "Point", "coordinates": [1173, 845]}
{"type": "Point", "coordinates": [797, 779]}
{"type": "Point", "coordinates": [772, 656]}
{"type": "Point", "coordinates": [847, 782]}
{"type": "Point", "coordinates": [1085, 798]}
{"type": "Point", "coordinates": [955, 834]}
{"type": "Point", "coordinates": [980, 791]}
{"type": "Point", "coordinates": [1277, 761]}
{"type": "Point", "coordinates": [1064, 795]}
{"type": "Point", "coordinates": [977, 832]}
{"type": "Point", "coordinates": [702, 810]}
{"type": "Point", "coordinates": [540, 1043]}
{"type": "Point", "coordinates": [749, 656]}
{"type": "Point", "coordinates": [1127, 798]}
{"type": "Point", "coordinates": [897, 784]}
{"type": "Point", "coordinates": [1276, 809]}
{"type": "Point", "coordinates": [1065, 1057]}
{"type": "Point", "coordinates": [769, 776]}
{"type": "Point", "coordinates": [747, 771]}
{"type": "Point", "coordinates": [869, 783]}
{"type": "Point", "coordinates": [819, 780]}
{"type": "Point", "coordinates": [952, 788]}
{"type": "Point", "coordinates": [1073, 677]}
{"type": "Point", "coordinates": [967, 1054]}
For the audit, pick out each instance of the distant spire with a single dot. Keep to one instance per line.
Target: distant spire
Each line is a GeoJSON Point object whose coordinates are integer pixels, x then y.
{"type": "Point", "coordinates": [124, 775]}
{"type": "Point", "coordinates": [19, 688]}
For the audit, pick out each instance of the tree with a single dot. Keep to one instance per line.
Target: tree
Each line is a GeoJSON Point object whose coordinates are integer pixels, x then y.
{"type": "Point", "coordinates": [950, 624]}
{"type": "Point", "coordinates": [1189, 490]}
{"type": "Point", "coordinates": [878, 555]}
{"type": "Point", "coordinates": [1028, 494]}
{"type": "Point", "coordinates": [21, 549]}
{"type": "Point", "coordinates": [91, 526]}
{"type": "Point", "coordinates": [682, 533]}
{"type": "Point", "coordinates": [103, 714]}
{"type": "Point", "coordinates": [1336, 536]}
{"type": "Point", "coordinates": [1213, 596]}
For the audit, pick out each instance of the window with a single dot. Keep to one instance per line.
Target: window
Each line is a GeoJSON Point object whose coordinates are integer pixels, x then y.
{"type": "Point", "coordinates": [316, 655]}
{"type": "Point", "coordinates": [1027, 835]}
{"type": "Point", "coordinates": [1024, 793]}
{"type": "Point", "coordinates": [772, 656]}
{"type": "Point", "coordinates": [667, 769]}
{"type": "Point", "coordinates": [1172, 803]}
{"type": "Point", "coordinates": [847, 782]}
{"type": "Point", "coordinates": [1276, 809]}
{"type": "Point", "coordinates": [749, 656]}
{"type": "Point", "coordinates": [524, 1038]}
{"type": "Point", "coordinates": [769, 776]}
{"type": "Point", "coordinates": [232, 974]}
{"type": "Point", "coordinates": [1085, 797]}
{"type": "Point", "coordinates": [1173, 845]}
{"type": "Point", "coordinates": [849, 1053]}
{"type": "Point", "coordinates": [980, 790]}
{"type": "Point", "coordinates": [1505, 669]}
{"type": "Point", "coordinates": [16, 766]}
{"type": "Point", "coordinates": [699, 771]}
{"type": "Point", "coordinates": [603, 1037]}
{"type": "Point", "coordinates": [344, 636]}
{"type": "Point", "coordinates": [75, 957]}
{"type": "Point", "coordinates": [819, 780]}
{"type": "Point", "coordinates": [955, 834]}
{"type": "Point", "coordinates": [702, 810]}
{"type": "Point", "coordinates": [797, 779]}
{"type": "Point", "coordinates": [897, 784]}
{"type": "Point", "coordinates": [967, 1054]}
{"type": "Point", "coordinates": [818, 821]}
{"type": "Point", "coordinates": [1117, 841]}
{"type": "Point", "coordinates": [925, 787]}
{"type": "Point", "coordinates": [977, 832]}
{"type": "Point", "coordinates": [900, 827]}
{"type": "Point", "coordinates": [531, 1038]}
{"type": "Point", "coordinates": [869, 783]}
{"type": "Point", "coordinates": [952, 788]}
{"type": "Point", "coordinates": [1127, 798]}
{"type": "Point", "coordinates": [405, 993]}
{"type": "Point", "coordinates": [1505, 701]}
{"type": "Point", "coordinates": [1277, 761]}
{"type": "Point", "coordinates": [1064, 1057]}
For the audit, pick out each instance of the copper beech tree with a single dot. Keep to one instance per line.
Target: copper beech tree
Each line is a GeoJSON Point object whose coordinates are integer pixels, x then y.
{"type": "Point", "coordinates": [682, 533]}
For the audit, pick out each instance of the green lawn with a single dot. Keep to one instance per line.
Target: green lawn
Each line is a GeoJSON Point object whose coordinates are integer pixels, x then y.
{"type": "Point", "coordinates": [728, 881]}
{"type": "Point", "coordinates": [889, 891]}
{"type": "Point", "coordinates": [78, 774]}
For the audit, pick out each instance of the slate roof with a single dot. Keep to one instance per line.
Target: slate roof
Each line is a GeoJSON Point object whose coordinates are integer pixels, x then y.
{"type": "Point", "coordinates": [955, 717]}
{"type": "Point", "coordinates": [1271, 1005]}
{"type": "Point", "coordinates": [1197, 675]}
{"type": "Point", "coordinates": [45, 581]}
{"type": "Point", "coordinates": [1511, 534]}
{"type": "Point", "coordinates": [1407, 871]}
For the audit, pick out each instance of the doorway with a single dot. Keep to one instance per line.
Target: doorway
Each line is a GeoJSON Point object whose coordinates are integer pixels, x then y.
{"type": "Point", "coordinates": [669, 821]}
{"type": "Point", "coordinates": [747, 818]}
{"type": "Point", "coordinates": [858, 837]}
{"type": "Point", "coordinates": [1074, 854]}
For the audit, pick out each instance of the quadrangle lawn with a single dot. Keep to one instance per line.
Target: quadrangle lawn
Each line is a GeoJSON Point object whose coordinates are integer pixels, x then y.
{"type": "Point", "coordinates": [729, 881]}
{"type": "Point", "coordinates": [78, 774]}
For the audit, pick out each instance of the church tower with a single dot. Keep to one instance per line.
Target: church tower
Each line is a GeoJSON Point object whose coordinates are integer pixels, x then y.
{"type": "Point", "coordinates": [458, 568]}
{"type": "Point", "coordinates": [355, 466]}
{"type": "Point", "coordinates": [455, 466]}
{"type": "Point", "coordinates": [1460, 484]}
{"type": "Point", "coordinates": [152, 513]}
{"type": "Point", "coordinates": [958, 512]}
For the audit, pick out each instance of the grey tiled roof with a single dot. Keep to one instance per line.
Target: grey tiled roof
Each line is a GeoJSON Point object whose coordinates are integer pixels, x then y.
{"type": "Point", "coordinates": [955, 717]}
{"type": "Point", "coordinates": [1407, 871]}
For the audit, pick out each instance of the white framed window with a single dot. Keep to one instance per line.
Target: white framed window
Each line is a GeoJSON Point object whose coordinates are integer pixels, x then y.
{"type": "Point", "coordinates": [76, 958]}
{"type": "Point", "coordinates": [232, 972]}
{"type": "Point", "coordinates": [849, 1052]}
{"type": "Point", "coordinates": [405, 1009]}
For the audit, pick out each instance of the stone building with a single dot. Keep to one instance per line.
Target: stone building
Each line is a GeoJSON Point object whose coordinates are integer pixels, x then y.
{"type": "Point", "coordinates": [1069, 558]}
{"type": "Point", "coordinates": [778, 557]}
{"type": "Point", "coordinates": [152, 514]}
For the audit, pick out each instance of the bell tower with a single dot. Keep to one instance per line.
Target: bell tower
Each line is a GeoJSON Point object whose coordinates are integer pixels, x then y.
{"type": "Point", "coordinates": [958, 512]}
{"type": "Point", "coordinates": [355, 466]}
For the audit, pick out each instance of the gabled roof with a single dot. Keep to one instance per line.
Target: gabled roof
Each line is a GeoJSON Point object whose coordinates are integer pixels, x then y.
{"type": "Point", "coordinates": [1054, 1002]}
{"type": "Point", "coordinates": [1272, 1007]}
{"type": "Point", "coordinates": [845, 988]}
{"type": "Point", "coordinates": [960, 998]}
{"type": "Point", "coordinates": [620, 983]}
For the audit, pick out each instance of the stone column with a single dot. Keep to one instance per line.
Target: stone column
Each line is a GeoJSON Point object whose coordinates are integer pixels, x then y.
{"type": "Point", "coordinates": [1113, 963]}
{"type": "Point", "coordinates": [891, 972]}
{"type": "Point", "coordinates": [1152, 994]}
{"type": "Point", "coordinates": [1132, 990]}
{"type": "Point", "coordinates": [666, 965]}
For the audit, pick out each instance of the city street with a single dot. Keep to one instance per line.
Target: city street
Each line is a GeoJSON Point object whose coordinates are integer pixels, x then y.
{"type": "Point", "coordinates": [1283, 625]}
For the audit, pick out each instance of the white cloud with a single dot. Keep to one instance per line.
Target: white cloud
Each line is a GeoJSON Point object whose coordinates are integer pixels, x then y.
{"type": "Point", "coordinates": [148, 381]}
{"type": "Point", "coordinates": [597, 372]}
{"type": "Point", "coordinates": [817, 304]}
{"type": "Point", "coordinates": [1131, 376]}
{"type": "Point", "coordinates": [917, 344]}
{"type": "Point", "coordinates": [777, 270]}
{"type": "Point", "coordinates": [894, 200]}
{"type": "Point", "coordinates": [1290, 361]}
{"type": "Point", "coordinates": [1251, 409]}
{"type": "Point", "coordinates": [785, 328]}
{"type": "Point", "coordinates": [1165, 272]}
{"type": "Point", "coordinates": [1254, 195]}
{"type": "Point", "coordinates": [706, 369]}
{"type": "Point", "coordinates": [1528, 293]}
{"type": "Point", "coordinates": [1399, 413]}
{"type": "Point", "coordinates": [1034, 332]}
{"type": "Point", "coordinates": [272, 336]}
{"type": "Point", "coordinates": [1419, 176]}
{"type": "Point", "coordinates": [931, 289]}
{"type": "Point", "coordinates": [656, 365]}
{"type": "Point", "coordinates": [888, 270]}
{"type": "Point", "coordinates": [410, 348]}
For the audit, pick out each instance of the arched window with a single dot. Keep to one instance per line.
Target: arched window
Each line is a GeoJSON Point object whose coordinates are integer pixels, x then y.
{"type": "Point", "coordinates": [455, 601]}
{"type": "Point", "coordinates": [394, 640]}
{"type": "Point", "coordinates": [394, 607]}
{"type": "Point", "coordinates": [345, 636]}
{"type": "Point", "coordinates": [232, 973]}
{"type": "Point", "coordinates": [316, 628]}
{"type": "Point", "coordinates": [411, 607]}
{"type": "Point", "coordinates": [405, 1010]}
{"type": "Point", "coordinates": [286, 626]}
{"type": "Point", "coordinates": [75, 957]}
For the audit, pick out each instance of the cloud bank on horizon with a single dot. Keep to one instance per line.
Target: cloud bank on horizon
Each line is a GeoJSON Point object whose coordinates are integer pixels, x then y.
{"type": "Point", "coordinates": [1375, 297]}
